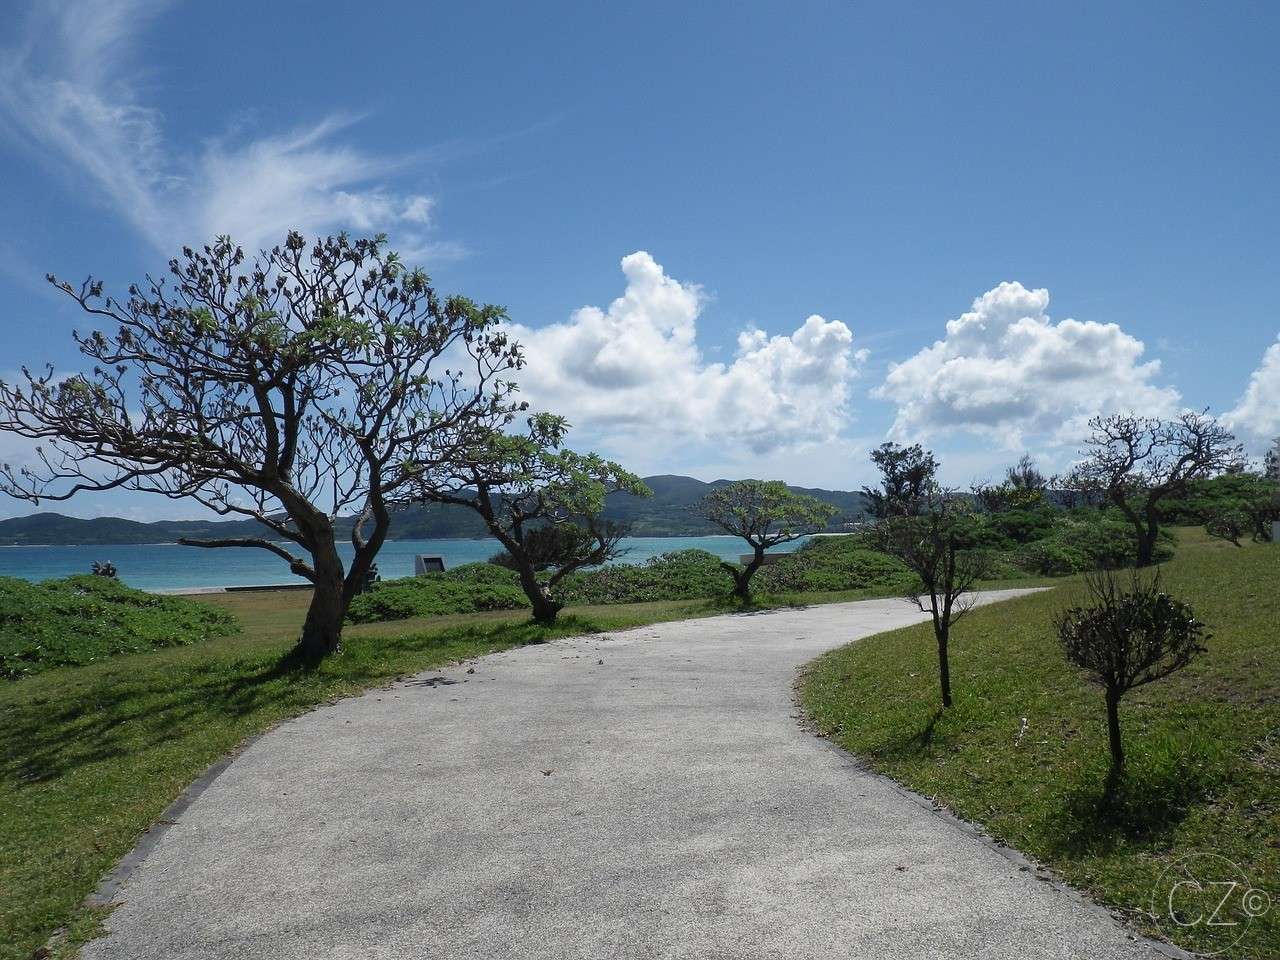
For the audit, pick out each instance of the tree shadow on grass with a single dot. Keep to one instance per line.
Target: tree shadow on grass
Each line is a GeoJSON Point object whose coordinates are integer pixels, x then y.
{"type": "Point", "coordinates": [146, 706]}
{"type": "Point", "coordinates": [914, 745]}
{"type": "Point", "coordinates": [1146, 806]}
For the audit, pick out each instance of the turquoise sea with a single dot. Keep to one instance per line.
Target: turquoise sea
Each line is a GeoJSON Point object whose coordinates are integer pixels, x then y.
{"type": "Point", "coordinates": [170, 566]}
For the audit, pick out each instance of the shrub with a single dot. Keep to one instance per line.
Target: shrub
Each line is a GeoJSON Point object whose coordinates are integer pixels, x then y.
{"type": "Point", "coordinates": [834, 563]}
{"type": "Point", "coordinates": [1082, 540]}
{"type": "Point", "coordinates": [1023, 526]}
{"type": "Point", "coordinates": [1051, 558]}
{"type": "Point", "coordinates": [1229, 525]}
{"type": "Point", "coordinates": [86, 618]}
{"type": "Point", "coordinates": [681, 575]}
{"type": "Point", "coordinates": [480, 573]}
{"type": "Point", "coordinates": [471, 588]}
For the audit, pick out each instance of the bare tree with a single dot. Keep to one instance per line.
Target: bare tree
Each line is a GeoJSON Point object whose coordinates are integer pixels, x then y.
{"type": "Point", "coordinates": [1138, 462]}
{"type": "Point", "coordinates": [935, 546]}
{"type": "Point", "coordinates": [1128, 638]}
{"type": "Point", "coordinates": [765, 514]}
{"type": "Point", "coordinates": [520, 484]}
{"type": "Point", "coordinates": [288, 390]}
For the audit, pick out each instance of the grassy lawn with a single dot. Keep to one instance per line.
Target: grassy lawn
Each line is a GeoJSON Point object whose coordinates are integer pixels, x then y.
{"type": "Point", "coordinates": [91, 755]}
{"type": "Point", "coordinates": [1204, 745]}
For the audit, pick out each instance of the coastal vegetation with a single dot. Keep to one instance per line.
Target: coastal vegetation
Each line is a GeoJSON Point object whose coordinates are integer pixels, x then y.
{"type": "Point", "coordinates": [84, 619]}
{"type": "Point", "coordinates": [1137, 463]}
{"type": "Point", "coordinates": [824, 564]}
{"type": "Point", "coordinates": [287, 388]}
{"type": "Point", "coordinates": [1024, 752]}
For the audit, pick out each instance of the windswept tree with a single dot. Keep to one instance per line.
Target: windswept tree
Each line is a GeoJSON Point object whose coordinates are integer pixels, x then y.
{"type": "Point", "coordinates": [1025, 478]}
{"type": "Point", "coordinates": [937, 546]}
{"type": "Point", "coordinates": [908, 478]}
{"type": "Point", "coordinates": [1126, 638]}
{"type": "Point", "coordinates": [289, 389]}
{"type": "Point", "coordinates": [520, 485]}
{"type": "Point", "coordinates": [765, 514]}
{"type": "Point", "coordinates": [1136, 463]}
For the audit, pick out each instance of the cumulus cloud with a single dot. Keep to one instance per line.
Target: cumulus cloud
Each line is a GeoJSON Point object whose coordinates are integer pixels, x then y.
{"type": "Point", "coordinates": [68, 88]}
{"type": "Point", "coordinates": [1258, 410]}
{"type": "Point", "coordinates": [636, 369]}
{"type": "Point", "coordinates": [1007, 371]}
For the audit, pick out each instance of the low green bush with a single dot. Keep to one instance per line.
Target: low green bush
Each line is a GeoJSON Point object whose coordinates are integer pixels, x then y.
{"type": "Point", "coordinates": [1080, 542]}
{"type": "Point", "coordinates": [681, 575]}
{"type": "Point", "coordinates": [830, 564]}
{"type": "Point", "coordinates": [822, 565]}
{"type": "Point", "coordinates": [1011, 527]}
{"type": "Point", "coordinates": [471, 588]}
{"type": "Point", "coordinates": [1053, 559]}
{"type": "Point", "coordinates": [86, 618]}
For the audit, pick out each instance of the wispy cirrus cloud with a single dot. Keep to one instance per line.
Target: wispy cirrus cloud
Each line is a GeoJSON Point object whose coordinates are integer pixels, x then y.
{"type": "Point", "coordinates": [71, 91]}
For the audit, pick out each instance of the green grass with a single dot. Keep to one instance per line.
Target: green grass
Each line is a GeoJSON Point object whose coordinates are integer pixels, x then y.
{"type": "Point", "coordinates": [1203, 745]}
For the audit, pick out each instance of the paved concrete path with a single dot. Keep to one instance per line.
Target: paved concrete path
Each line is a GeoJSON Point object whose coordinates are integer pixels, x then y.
{"type": "Point", "coordinates": [640, 795]}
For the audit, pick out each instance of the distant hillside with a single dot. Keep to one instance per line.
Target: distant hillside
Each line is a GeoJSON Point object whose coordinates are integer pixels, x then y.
{"type": "Point", "coordinates": [670, 512]}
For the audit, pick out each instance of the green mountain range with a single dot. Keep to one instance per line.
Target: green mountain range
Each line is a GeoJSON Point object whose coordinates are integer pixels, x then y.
{"type": "Point", "coordinates": [670, 512]}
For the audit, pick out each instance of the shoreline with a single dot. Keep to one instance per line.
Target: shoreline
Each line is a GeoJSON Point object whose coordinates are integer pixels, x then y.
{"type": "Point", "coordinates": [174, 543]}
{"type": "Point", "coordinates": [222, 571]}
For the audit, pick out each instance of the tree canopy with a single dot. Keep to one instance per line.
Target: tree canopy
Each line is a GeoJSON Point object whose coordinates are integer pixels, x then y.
{"type": "Point", "coordinates": [1137, 463]}
{"type": "Point", "coordinates": [764, 513]}
{"type": "Point", "coordinates": [908, 477]}
{"type": "Point", "coordinates": [519, 484]}
{"type": "Point", "coordinates": [311, 380]}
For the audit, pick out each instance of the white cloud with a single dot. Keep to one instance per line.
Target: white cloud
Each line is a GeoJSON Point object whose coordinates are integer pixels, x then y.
{"type": "Point", "coordinates": [1258, 410]}
{"type": "Point", "coordinates": [1005, 370]}
{"type": "Point", "coordinates": [634, 371]}
{"type": "Point", "coordinates": [69, 90]}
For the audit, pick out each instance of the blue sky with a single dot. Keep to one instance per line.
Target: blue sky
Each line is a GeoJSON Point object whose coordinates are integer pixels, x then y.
{"type": "Point", "coordinates": [806, 194]}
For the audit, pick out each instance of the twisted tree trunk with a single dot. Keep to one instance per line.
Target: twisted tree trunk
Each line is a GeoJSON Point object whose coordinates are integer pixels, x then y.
{"type": "Point", "coordinates": [322, 630]}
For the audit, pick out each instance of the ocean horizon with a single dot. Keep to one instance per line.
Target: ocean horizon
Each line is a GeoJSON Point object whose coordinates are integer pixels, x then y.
{"type": "Point", "coordinates": [173, 566]}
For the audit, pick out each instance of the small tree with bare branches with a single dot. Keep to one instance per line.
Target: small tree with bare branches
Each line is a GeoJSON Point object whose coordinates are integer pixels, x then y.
{"type": "Point", "coordinates": [936, 546]}
{"type": "Point", "coordinates": [289, 389]}
{"type": "Point", "coordinates": [1136, 463]}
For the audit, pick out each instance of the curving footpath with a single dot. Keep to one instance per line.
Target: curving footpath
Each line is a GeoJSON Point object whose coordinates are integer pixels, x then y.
{"type": "Point", "coordinates": [639, 795]}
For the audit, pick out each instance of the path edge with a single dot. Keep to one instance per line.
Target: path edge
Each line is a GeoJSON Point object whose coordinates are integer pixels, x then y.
{"type": "Point", "coordinates": [105, 894]}
{"type": "Point", "coordinates": [972, 830]}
